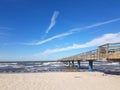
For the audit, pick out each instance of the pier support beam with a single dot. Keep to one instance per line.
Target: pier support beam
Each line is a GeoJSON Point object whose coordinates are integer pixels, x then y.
{"type": "Point", "coordinates": [73, 63]}
{"type": "Point", "coordinates": [78, 64]}
{"type": "Point", "coordinates": [69, 63]}
{"type": "Point", "coordinates": [90, 67]}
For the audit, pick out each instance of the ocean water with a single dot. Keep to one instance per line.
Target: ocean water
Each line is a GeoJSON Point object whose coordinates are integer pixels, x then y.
{"type": "Point", "coordinates": [26, 67]}
{"type": "Point", "coordinates": [37, 67]}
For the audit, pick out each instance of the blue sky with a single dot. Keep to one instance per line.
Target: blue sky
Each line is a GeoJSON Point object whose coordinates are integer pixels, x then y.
{"type": "Point", "coordinates": [52, 29]}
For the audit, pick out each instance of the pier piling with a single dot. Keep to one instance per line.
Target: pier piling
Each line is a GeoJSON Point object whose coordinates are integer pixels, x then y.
{"type": "Point", "coordinates": [79, 64]}
{"type": "Point", "coordinates": [69, 63]}
{"type": "Point", "coordinates": [90, 67]}
{"type": "Point", "coordinates": [73, 63]}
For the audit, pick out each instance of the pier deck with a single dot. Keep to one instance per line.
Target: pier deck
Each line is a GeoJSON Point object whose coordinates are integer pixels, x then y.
{"type": "Point", "coordinates": [109, 52]}
{"type": "Point", "coordinates": [106, 52]}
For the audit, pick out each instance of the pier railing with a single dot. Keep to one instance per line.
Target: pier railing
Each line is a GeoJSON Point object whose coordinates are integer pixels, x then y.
{"type": "Point", "coordinates": [106, 52]}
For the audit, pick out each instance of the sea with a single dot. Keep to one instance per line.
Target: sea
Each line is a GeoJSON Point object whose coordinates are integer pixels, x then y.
{"type": "Point", "coordinates": [56, 66]}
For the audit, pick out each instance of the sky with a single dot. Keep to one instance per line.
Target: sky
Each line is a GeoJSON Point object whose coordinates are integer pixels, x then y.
{"type": "Point", "coordinates": [37, 30]}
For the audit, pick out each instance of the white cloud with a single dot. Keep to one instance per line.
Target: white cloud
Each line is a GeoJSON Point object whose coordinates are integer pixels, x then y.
{"type": "Point", "coordinates": [50, 39]}
{"type": "Point", "coordinates": [97, 24]}
{"type": "Point", "coordinates": [106, 38]}
{"type": "Point", "coordinates": [53, 21]}
{"type": "Point", "coordinates": [72, 31]}
{"type": "Point", "coordinates": [52, 54]}
{"type": "Point", "coordinates": [102, 23]}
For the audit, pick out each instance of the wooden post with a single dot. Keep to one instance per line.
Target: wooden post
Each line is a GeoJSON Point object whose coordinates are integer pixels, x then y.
{"type": "Point", "coordinates": [107, 50]}
{"type": "Point", "coordinates": [69, 63]}
{"type": "Point", "coordinates": [90, 67]}
{"type": "Point", "coordinates": [78, 63]}
{"type": "Point", "coordinates": [73, 63]}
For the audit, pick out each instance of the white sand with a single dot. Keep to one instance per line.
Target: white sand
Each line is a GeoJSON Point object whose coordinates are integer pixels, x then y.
{"type": "Point", "coordinates": [60, 81]}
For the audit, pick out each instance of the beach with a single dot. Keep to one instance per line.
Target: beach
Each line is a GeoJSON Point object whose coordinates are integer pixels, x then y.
{"type": "Point", "coordinates": [60, 81]}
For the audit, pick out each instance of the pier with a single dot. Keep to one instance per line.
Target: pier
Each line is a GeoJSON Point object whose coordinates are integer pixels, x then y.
{"type": "Point", "coordinates": [109, 52]}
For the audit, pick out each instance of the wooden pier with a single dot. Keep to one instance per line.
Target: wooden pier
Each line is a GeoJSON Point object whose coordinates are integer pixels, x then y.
{"type": "Point", "coordinates": [109, 52]}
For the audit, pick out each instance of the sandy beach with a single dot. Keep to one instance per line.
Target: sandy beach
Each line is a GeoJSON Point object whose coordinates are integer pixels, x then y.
{"type": "Point", "coordinates": [60, 81]}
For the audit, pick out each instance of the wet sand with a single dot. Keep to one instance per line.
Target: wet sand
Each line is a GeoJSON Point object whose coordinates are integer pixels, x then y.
{"type": "Point", "coordinates": [60, 81]}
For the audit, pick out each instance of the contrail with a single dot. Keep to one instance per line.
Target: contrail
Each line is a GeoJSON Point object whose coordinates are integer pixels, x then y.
{"type": "Point", "coordinates": [72, 31]}
{"type": "Point", "coordinates": [53, 21]}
